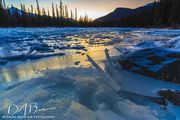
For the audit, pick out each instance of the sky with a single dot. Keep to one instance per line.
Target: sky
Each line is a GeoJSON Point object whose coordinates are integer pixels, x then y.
{"type": "Point", "coordinates": [93, 8]}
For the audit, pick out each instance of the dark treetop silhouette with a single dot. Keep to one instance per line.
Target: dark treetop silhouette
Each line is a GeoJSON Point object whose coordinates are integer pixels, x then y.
{"type": "Point", "coordinates": [40, 17]}
{"type": "Point", "coordinates": [161, 13]}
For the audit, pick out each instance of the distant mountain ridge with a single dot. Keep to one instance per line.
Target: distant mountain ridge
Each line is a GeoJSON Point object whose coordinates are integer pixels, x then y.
{"type": "Point", "coordinates": [120, 13]}
{"type": "Point", "coordinates": [13, 10]}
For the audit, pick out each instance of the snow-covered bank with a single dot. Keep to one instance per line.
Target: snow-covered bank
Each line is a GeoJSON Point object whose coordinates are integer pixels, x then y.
{"type": "Point", "coordinates": [173, 96]}
{"type": "Point", "coordinates": [159, 63]}
{"type": "Point", "coordinates": [156, 59]}
{"type": "Point", "coordinates": [159, 59]}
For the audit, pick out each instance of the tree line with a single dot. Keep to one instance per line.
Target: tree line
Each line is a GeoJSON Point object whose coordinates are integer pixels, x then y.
{"type": "Point", "coordinates": [163, 13]}
{"type": "Point", "coordinates": [36, 16]}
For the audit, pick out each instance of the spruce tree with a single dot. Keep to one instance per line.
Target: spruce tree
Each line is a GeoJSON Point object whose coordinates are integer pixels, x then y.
{"type": "Point", "coordinates": [76, 14]}
{"type": "Point", "coordinates": [72, 16]}
{"type": "Point", "coordinates": [57, 13]}
{"type": "Point", "coordinates": [175, 12]}
{"type": "Point", "coordinates": [38, 8]}
{"type": "Point", "coordinates": [53, 12]}
{"type": "Point", "coordinates": [1, 13]}
{"type": "Point", "coordinates": [61, 10]}
{"type": "Point", "coordinates": [32, 9]}
{"type": "Point", "coordinates": [66, 12]}
{"type": "Point", "coordinates": [1, 4]}
{"type": "Point", "coordinates": [4, 4]}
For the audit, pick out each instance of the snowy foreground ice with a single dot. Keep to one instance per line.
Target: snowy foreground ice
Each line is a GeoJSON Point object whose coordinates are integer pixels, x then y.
{"type": "Point", "coordinates": [48, 70]}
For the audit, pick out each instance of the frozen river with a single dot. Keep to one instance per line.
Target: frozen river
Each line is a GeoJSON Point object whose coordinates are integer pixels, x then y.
{"type": "Point", "coordinates": [48, 66]}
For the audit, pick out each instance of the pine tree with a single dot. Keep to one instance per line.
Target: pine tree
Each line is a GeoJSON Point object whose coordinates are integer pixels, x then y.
{"type": "Point", "coordinates": [53, 12]}
{"type": "Point", "coordinates": [57, 13]}
{"type": "Point", "coordinates": [72, 16]}
{"type": "Point", "coordinates": [164, 11]}
{"type": "Point", "coordinates": [61, 10]}
{"type": "Point", "coordinates": [1, 13]}
{"type": "Point", "coordinates": [4, 4]}
{"type": "Point", "coordinates": [43, 17]}
{"type": "Point", "coordinates": [175, 12]}
{"type": "Point", "coordinates": [1, 4]}
{"type": "Point", "coordinates": [76, 14]}
{"type": "Point", "coordinates": [9, 20]}
{"type": "Point", "coordinates": [5, 13]}
{"type": "Point", "coordinates": [85, 19]}
{"type": "Point", "coordinates": [32, 9]}
{"type": "Point", "coordinates": [38, 8]}
{"type": "Point", "coordinates": [23, 15]}
{"type": "Point", "coordinates": [39, 17]}
{"type": "Point", "coordinates": [43, 12]}
{"type": "Point", "coordinates": [81, 19]}
{"type": "Point", "coordinates": [66, 12]}
{"type": "Point", "coordinates": [48, 13]}
{"type": "Point", "coordinates": [13, 17]}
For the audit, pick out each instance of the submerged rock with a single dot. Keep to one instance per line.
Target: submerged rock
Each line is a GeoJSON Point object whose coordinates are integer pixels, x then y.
{"type": "Point", "coordinates": [2, 62]}
{"type": "Point", "coordinates": [77, 63]}
{"type": "Point", "coordinates": [172, 96]}
{"type": "Point", "coordinates": [159, 63]}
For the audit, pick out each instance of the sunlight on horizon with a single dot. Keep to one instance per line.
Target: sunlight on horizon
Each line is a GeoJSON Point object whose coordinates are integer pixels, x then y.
{"type": "Point", "coordinates": [94, 9]}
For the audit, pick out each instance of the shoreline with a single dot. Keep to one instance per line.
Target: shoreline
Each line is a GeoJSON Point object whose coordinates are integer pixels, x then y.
{"type": "Point", "coordinates": [168, 27]}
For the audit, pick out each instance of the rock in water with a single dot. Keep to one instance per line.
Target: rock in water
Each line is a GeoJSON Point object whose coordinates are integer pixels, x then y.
{"type": "Point", "coordinates": [172, 96]}
{"type": "Point", "coordinates": [77, 63]}
{"type": "Point", "coordinates": [159, 63]}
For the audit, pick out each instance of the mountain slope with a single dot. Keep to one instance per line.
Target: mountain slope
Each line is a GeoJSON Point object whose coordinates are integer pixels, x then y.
{"type": "Point", "coordinates": [117, 14]}
{"type": "Point", "coordinates": [120, 13]}
{"type": "Point", "coordinates": [14, 10]}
